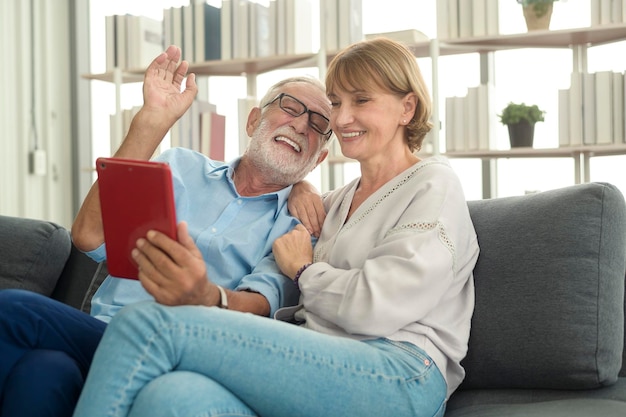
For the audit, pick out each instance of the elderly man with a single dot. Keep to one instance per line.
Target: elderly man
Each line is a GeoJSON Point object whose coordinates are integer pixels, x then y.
{"type": "Point", "coordinates": [229, 215]}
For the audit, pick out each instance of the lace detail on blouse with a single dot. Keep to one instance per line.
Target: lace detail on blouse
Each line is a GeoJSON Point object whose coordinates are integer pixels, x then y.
{"type": "Point", "coordinates": [321, 251]}
{"type": "Point", "coordinates": [425, 227]}
{"type": "Point", "coordinates": [399, 184]}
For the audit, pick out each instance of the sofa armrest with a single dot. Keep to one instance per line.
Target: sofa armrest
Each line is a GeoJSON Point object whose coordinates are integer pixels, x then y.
{"type": "Point", "coordinates": [73, 287]}
{"type": "Point", "coordinates": [32, 253]}
{"type": "Point", "coordinates": [549, 290]}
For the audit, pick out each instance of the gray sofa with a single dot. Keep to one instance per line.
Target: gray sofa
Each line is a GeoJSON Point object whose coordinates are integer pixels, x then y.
{"type": "Point", "coordinates": [547, 334]}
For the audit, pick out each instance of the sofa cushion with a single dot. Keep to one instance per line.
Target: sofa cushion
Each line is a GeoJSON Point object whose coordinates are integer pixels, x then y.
{"type": "Point", "coordinates": [32, 253]}
{"type": "Point", "coordinates": [549, 290]}
{"type": "Point", "coordinates": [562, 408]}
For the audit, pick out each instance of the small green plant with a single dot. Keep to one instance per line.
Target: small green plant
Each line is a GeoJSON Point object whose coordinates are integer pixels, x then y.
{"type": "Point", "coordinates": [514, 113]}
{"type": "Point", "coordinates": [540, 7]}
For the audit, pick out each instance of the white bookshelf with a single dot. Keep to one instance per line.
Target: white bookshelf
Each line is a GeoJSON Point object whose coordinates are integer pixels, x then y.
{"type": "Point", "coordinates": [578, 40]}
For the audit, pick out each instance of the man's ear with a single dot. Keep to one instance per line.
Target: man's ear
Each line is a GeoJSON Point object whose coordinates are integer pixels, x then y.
{"type": "Point", "coordinates": [254, 118]}
{"type": "Point", "coordinates": [323, 155]}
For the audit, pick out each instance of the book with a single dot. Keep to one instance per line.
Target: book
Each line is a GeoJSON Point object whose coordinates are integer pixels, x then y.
{"type": "Point", "coordinates": [453, 19]}
{"type": "Point", "coordinates": [589, 109]}
{"type": "Point", "coordinates": [145, 41]}
{"type": "Point", "coordinates": [330, 29]}
{"type": "Point", "coordinates": [218, 137]}
{"type": "Point", "coordinates": [167, 27]}
{"type": "Point", "coordinates": [253, 41]}
{"type": "Point", "coordinates": [479, 17]}
{"type": "Point", "coordinates": [465, 19]}
{"type": "Point", "coordinates": [110, 49]}
{"type": "Point", "coordinates": [606, 8]}
{"type": "Point", "coordinates": [493, 19]}
{"type": "Point", "coordinates": [484, 102]}
{"type": "Point", "coordinates": [471, 111]}
{"type": "Point", "coordinates": [188, 33]}
{"type": "Point", "coordinates": [460, 125]}
{"type": "Point", "coordinates": [487, 124]}
{"type": "Point", "coordinates": [121, 49]}
{"type": "Point", "coordinates": [618, 107]}
{"type": "Point", "coordinates": [208, 29]}
{"type": "Point", "coordinates": [443, 30]}
{"type": "Point", "coordinates": [213, 132]}
{"type": "Point", "coordinates": [616, 11]}
{"type": "Point", "coordinates": [281, 27]}
{"type": "Point", "coordinates": [177, 26]}
{"type": "Point", "coordinates": [226, 25]}
{"type": "Point", "coordinates": [576, 112]}
{"type": "Point", "coordinates": [564, 124]}
{"type": "Point", "coordinates": [407, 36]}
{"type": "Point", "coordinates": [300, 26]}
{"type": "Point", "coordinates": [197, 110]}
{"type": "Point", "coordinates": [240, 31]}
{"type": "Point", "coordinates": [603, 107]}
{"type": "Point", "coordinates": [349, 22]}
{"type": "Point", "coordinates": [449, 124]}
{"type": "Point", "coordinates": [594, 11]}
{"type": "Point", "coordinates": [273, 30]}
{"type": "Point", "coordinates": [244, 105]}
{"type": "Point", "coordinates": [198, 29]}
{"type": "Point", "coordinates": [261, 44]}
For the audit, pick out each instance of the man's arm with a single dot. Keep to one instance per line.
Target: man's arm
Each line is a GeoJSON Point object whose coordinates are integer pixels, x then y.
{"type": "Point", "coordinates": [305, 204]}
{"type": "Point", "coordinates": [163, 105]}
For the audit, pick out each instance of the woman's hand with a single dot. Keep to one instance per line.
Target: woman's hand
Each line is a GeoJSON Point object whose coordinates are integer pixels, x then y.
{"type": "Point", "coordinates": [292, 250]}
{"type": "Point", "coordinates": [305, 204]}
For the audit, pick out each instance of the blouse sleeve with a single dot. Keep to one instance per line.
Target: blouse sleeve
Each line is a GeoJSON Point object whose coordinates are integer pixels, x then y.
{"type": "Point", "coordinates": [427, 255]}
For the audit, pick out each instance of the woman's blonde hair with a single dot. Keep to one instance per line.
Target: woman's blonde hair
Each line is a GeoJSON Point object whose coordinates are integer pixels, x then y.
{"type": "Point", "coordinates": [389, 66]}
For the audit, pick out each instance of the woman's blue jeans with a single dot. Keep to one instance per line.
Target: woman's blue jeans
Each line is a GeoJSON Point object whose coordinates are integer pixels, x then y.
{"type": "Point", "coordinates": [197, 361]}
{"type": "Point", "coordinates": [46, 348]}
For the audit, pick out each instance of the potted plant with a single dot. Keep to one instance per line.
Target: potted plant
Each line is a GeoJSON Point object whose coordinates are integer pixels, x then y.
{"type": "Point", "coordinates": [537, 13]}
{"type": "Point", "coordinates": [520, 120]}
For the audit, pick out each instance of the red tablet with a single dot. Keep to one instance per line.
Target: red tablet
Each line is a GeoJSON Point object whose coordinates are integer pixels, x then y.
{"type": "Point", "coordinates": [135, 197]}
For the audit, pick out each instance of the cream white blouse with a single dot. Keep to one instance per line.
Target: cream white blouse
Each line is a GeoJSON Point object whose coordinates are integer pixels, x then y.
{"type": "Point", "coordinates": [400, 267]}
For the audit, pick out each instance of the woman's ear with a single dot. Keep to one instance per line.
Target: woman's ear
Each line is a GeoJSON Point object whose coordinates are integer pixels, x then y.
{"type": "Point", "coordinates": [409, 103]}
{"type": "Point", "coordinates": [254, 118]}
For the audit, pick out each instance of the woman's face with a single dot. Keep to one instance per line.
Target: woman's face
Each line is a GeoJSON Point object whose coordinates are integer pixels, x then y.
{"type": "Point", "coordinates": [367, 123]}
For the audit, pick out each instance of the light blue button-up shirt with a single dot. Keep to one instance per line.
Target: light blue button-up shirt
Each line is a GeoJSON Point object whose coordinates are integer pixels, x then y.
{"type": "Point", "coordinates": [234, 234]}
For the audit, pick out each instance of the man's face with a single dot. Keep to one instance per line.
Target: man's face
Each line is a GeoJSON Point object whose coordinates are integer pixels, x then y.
{"type": "Point", "coordinates": [287, 147]}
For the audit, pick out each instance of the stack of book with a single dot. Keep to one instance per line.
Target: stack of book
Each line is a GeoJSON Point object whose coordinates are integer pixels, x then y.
{"type": "Point", "coordinates": [470, 124]}
{"type": "Point", "coordinates": [606, 12]}
{"type": "Point", "coordinates": [465, 18]}
{"type": "Point", "coordinates": [591, 111]}
{"type": "Point", "coordinates": [132, 42]}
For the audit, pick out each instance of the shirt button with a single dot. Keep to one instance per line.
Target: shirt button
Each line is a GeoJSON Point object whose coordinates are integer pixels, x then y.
{"type": "Point", "coordinates": [239, 202]}
{"type": "Point", "coordinates": [213, 229]}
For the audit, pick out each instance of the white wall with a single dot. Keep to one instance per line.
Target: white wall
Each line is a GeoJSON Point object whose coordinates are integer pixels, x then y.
{"type": "Point", "coordinates": [35, 109]}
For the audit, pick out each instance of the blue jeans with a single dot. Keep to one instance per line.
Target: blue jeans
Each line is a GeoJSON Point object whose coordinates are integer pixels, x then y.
{"type": "Point", "coordinates": [197, 361]}
{"type": "Point", "coordinates": [46, 348]}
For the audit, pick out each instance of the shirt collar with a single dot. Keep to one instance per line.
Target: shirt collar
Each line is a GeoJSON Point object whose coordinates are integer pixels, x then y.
{"type": "Point", "coordinates": [282, 195]}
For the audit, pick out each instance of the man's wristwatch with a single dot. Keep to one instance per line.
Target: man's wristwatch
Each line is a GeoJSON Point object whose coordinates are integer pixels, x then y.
{"type": "Point", "coordinates": [223, 298]}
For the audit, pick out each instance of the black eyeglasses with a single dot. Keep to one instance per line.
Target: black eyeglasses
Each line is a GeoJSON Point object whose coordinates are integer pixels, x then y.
{"type": "Point", "coordinates": [295, 108]}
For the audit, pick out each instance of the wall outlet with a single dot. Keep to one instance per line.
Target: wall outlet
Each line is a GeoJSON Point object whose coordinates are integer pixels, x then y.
{"type": "Point", "coordinates": [37, 162]}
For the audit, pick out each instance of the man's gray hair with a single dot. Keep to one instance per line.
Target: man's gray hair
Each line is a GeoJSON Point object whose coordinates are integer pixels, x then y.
{"type": "Point", "coordinates": [275, 89]}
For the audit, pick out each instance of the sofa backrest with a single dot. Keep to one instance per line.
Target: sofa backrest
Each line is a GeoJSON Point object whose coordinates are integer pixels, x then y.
{"type": "Point", "coordinates": [549, 290]}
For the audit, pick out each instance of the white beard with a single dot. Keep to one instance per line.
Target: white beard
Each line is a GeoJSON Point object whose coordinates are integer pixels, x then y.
{"type": "Point", "coordinates": [279, 164]}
